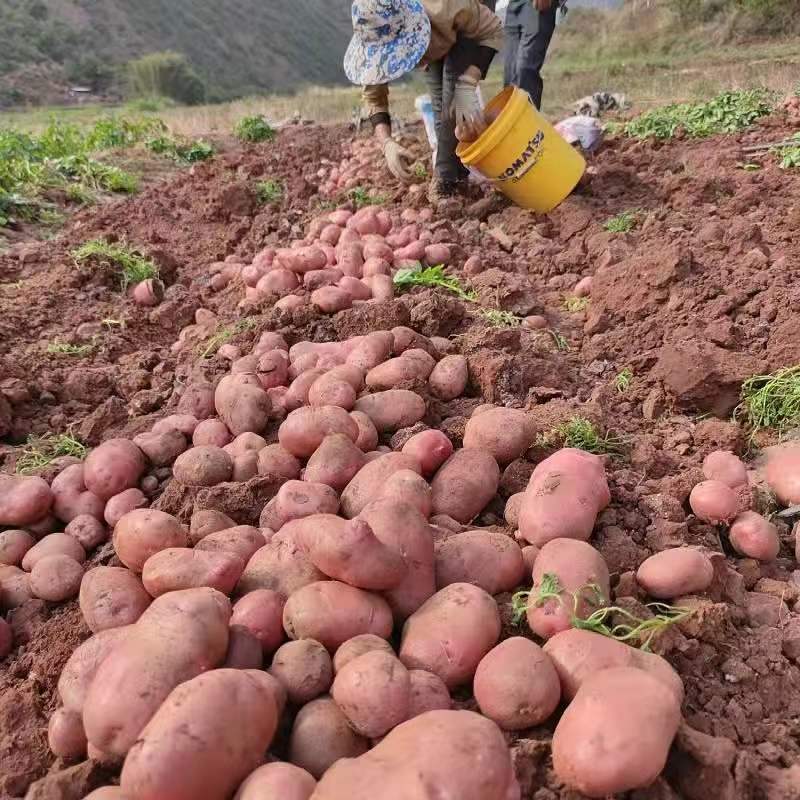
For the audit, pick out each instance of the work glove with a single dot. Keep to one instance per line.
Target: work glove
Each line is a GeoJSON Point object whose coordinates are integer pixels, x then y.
{"type": "Point", "coordinates": [398, 160]}
{"type": "Point", "coordinates": [466, 107]}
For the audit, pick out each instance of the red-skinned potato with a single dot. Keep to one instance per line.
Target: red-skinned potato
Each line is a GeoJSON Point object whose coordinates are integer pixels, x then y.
{"type": "Point", "coordinates": [674, 572]}
{"type": "Point", "coordinates": [79, 671]}
{"type": "Point", "coordinates": [464, 484]}
{"type": "Point", "coordinates": [112, 467]}
{"type": "Point", "coordinates": [574, 566]}
{"type": "Point", "coordinates": [261, 613]}
{"type": "Point", "coordinates": [145, 666]}
{"type": "Point", "coordinates": [297, 393]}
{"type": "Point", "coordinates": [782, 473]}
{"type": "Point", "coordinates": [450, 633]}
{"type": "Point", "coordinates": [120, 504]}
{"type": "Point", "coordinates": [373, 691]}
{"type": "Point", "coordinates": [348, 551]}
{"type": "Point", "coordinates": [203, 466]}
{"type": "Point", "coordinates": [210, 733]}
{"type": "Point", "coordinates": [296, 500]}
{"type": "Point", "coordinates": [52, 545]}
{"type": "Point", "coordinates": [358, 646]}
{"type": "Point", "coordinates": [577, 655]}
{"type": "Point", "coordinates": [212, 432]}
{"type": "Point", "coordinates": [372, 350]}
{"type": "Point", "coordinates": [367, 435]}
{"type": "Point", "coordinates": [277, 780]}
{"type": "Point", "coordinates": [437, 749]}
{"type": "Point", "coordinates": [616, 733]}
{"type": "Point", "coordinates": [321, 736]}
{"type": "Point", "coordinates": [304, 668]}
{"type": "Point", "coordinates": [197, 400]}
{"type": "Point", "coordinates": [303, 431]}
{"type": "Point", "coordinates": [335, 462]}
{"type": "Point", "coordinates": [242, 404]}
{"type": "Point", "coordinates": [753, 536]}
{"type": "Point", "coordinates": [513, 505]}
{"type": "Point", "coordinates": [516, 685]}
{"type": "Point", "coordinates": [65, 735]}
{"type": "Point", "coordinates": [505, 433]}
{"type": "Point", "coordinates": [183, 423]}
{"type": "Point", "coordinates": [23, 500]}
{"type": "Point", "coordinates": [430, 449]}
{"type": "Point", "coordinates": [449, 377]}
{"type": "Point", "coordinates": [276, 460]}
{"type": "Point", "coordinates": [413, 365]}
{"type": "Point", "coordinates": [143, 532]}
{"type": "Point", "coordinates": [277, 282]}
{"type": "Point", "coordinates": [111, 597]}
{"type": "Point", "coordinates": [714, 502]}
{"type": "Point", "coordinates": [281, 565]}
{"type": "Point", "coordinates": [71, 498]}
{"type": "Point", "coordinates": [564, 496]}
{"type": "Point", "coordinates": [428, 693]}
{"type": "Point", "coordinates": [241, 540]}
{"type": "Point", "coordinates": [401, 527]}
{"type": "Point", "coordinates": [206, 522]}
{"type": "Point", "coordinates": [370, 480]}
{"type": "Point", "coordinates": [329, 390]}
{"type": "Point", "coordinates": [392, 409]}
{"type": "Point", "coordinates": [56, 578]}
{"type": "Point", "coordinates": [15, 587]}
{"type": "Point", "coordinates": [726, 467]}
{"type": "Point", "coordinates": [161, 449]}
{"type": "Point", "coordinates": [244, 650]}
{"type": "Point", "coordinates": [176, 568]}
{"type": "Point", "coordinates": [487, 559]}
{"type": "Point", "coordinates": [408, 486]}
{"type": "Point", "coordinates": [330, 299]}
{"type": "Point", "coordinates": [333, 612]}
{"type": "Point", "coordinates": [13, 546]}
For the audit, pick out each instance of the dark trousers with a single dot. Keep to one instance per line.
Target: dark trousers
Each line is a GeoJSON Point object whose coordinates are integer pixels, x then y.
{"type": "Point", "coordinates": [528, 35]}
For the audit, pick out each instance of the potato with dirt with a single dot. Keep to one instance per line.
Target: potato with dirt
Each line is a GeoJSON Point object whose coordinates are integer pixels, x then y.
{"type": "Point", "coordinates": [70, 497]}
{"type": "Point", "coordinates": [616, 734]}
{"type": "Point", "coordinates": [456, 754]}
{"type": "Point", "coordinates": [144, 532]}
{"type": "Point", "coordinates": [516, 685]}
{"type": "Point", "coordinates": [321, 736]}
{"type": "Point", "coordinates": [281, 565]}
{"type": "Point", "coordinates": [114, 466]}
{"type": "Point", "coordinates": [781, 471]}
{"type": "Point", "coordinates": [56, 578]}
{"type": "Point", "coordinates": [505, 433]}
{"type": "Point", "coordinates": [675, 572]}
{"type": "Point", "coordinates": [335, 462]}
{"type": "Point", "coordinates": [304, 668]}
{"type": "Point", "coordinates": [450, 633]}
{"type": "Point", "coordinates": [181, 634]}
{"type": "Point", "coordinates": [570, 579]}
{"type": "Point", "coordinates": [296, 500]}
{"type": "Point", "coordinates": [207, 521]}
{"type": "Point", "coordinates": [465, 484]}
{"type": "Point", "coordinates": [726, 467]}
{"type": "Point", "coordinates": [358, 646]}
{"type": "Point", "coordinates": [242, 404]}
{"type": "Point", "coordinates": [65, 735]}
{"type": "Point", "coordinates": [392, 409]}
{"type": "Point", "coordinates": [428, 693]}
{"type": "Point", "coordinates": [277, 781]}
{"type": "Point", "coordinates": [261, 613]}
{"type": "Point", "coordinates": [753, 536]}
{"type": "Point", "coordinates": [413, 366]}
{"type": "Point", "coordinates": [111, 597]}
{"type": "Point", "coordinates": [304, 430]}
{"type": "Point", "coordinates": [430, 449]}
{"type": "Point", "coordinates": [177, 568]}
{"type": "Point", "coordinates": [374, 693]}
{"type": "Point", "coordinates": [487, 559]}
{"type": "Point", "coordinates": [203, 466]}
{"type": "Point", "coordinates": [161, 449]}
{"type": "Point", "coordinates": [408, 486]}
{"type": "Point", "coordinates": [241, 540]}
{"type": "Point", "coordinates": [332, 612]}
{"type": "Point", "coordinates": [120, 504]}
{"type": "Point", "coordinates": [714, 502]}
{"type": "Point", "coordinates": [55, 544]}
{"type": "Point", "coordinates": [369, 482]}
{"type": "Point", "coordinates": [210, 733]}
{"type": "Point", "coordinates": [23, 500]}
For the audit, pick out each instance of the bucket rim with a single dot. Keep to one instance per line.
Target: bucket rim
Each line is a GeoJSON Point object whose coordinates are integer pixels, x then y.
{"type": "Point", "coordinates": [512, 101]}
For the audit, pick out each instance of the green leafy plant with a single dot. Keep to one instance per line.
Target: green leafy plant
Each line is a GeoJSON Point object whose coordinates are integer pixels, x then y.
{"type": "Point", "coordinates": [580, 433]}
{"type": "Point", "coordinates": [360, 197]}
{"type": "Point", "coordinates": [770, 401]}
{"type": "Point", "coordinates": [500, 319]}
{"type": "Point", "coordinates": [727, 113]}
{"type": "Point", "coordinates": [633, 630]}
{"type": "Point", "coordinates": [131, 265]}
{"type": "Point", "coordinates": [622, 380]}
{"type": "Point", "coordinates": [254, 129]}
{"type": "Point", "coordinates": [224, 334]}
{"type": "Point", "coordinates": [622, 223]}
{"type": "Point", "coordinates": [575, 304]}
{"type": "Point", "coordinates": [559, 341]}
{"type": "Point", "coordinates": [270, 191]}
{"type": "Point", "coordinates": [186, 151]}
{"type": "Point", "coordinates": [432, 277]}
{"type": "Point", "coordinates": [39, 451]}
{"type": "Point", "coordinates": [65, 349]}
{"type": "Point", "coordinates": [420, 171]}
{"type": "Point", "coordinates": [790, 156]}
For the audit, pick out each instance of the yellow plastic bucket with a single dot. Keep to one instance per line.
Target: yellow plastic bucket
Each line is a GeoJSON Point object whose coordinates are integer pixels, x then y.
{"type": "Point", "coordinates": [523, 155]}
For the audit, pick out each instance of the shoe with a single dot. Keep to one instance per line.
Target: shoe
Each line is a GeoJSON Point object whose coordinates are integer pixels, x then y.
{"type": "Point", "coordinates": [442, 190]}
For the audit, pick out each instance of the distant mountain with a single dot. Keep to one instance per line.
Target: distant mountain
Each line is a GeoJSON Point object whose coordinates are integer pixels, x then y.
{"type": "Point", "coordinates": [237, 46]}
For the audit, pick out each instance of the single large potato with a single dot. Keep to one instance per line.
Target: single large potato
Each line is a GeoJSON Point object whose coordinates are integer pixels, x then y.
{"type": "Point", "coordinates": [490, 560]}
{"type": "Point", "coordinates": [673, 572]}
{"type": "Point", "coordinates": [281, 565]}
{"type": "Point", "coordinates": [277, 781]}
{"type": "Point", "coordinates": [392, 409]}
{"type": "Point", "coordinates": [505, 433]}
{"type": "Point", "coordinates": [465, 484]}
{"type": "Point", "coordinates": [112, 467]}
{"type": "Point", "coordinates": [23, 501]}
{"type": "Point", "coordinates": [616, 734]}
{"type": "Point", "coordinates": [452, 754]}
{"type": "Point", "coordinates": [144, 532]}
{"type": "Point", "coordinates": [181, 568]}
{"type": "Point", "coordinates": [370, 481]}
{"type": "Point", "coordinates": [111, 597]}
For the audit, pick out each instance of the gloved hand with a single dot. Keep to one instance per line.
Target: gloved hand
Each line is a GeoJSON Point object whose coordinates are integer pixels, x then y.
{"type": "Point", "coordinates": [398, 160]}
{"type": "Point", "coordinates": [466, 106]}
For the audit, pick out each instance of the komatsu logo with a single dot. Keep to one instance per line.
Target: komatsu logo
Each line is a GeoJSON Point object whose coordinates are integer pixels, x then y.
{"type": "Point", "coordinates": [526, 161]}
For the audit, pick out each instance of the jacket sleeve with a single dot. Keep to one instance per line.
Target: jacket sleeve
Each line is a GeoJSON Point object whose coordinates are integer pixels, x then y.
{"type": "Point", "coordinates": [375, 104]}
{"type": "Point", "coordinates": [475, 21]}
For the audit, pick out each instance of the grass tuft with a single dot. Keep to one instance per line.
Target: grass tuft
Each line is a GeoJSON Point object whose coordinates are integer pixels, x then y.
{"type": "Point", "coordinates": [623, 379]}
{"type": "Point", "coordinates": [360, 197]}
{"type": "Point", "coordinates": [500, 319]}
{"type": "Point", "coordinates": [66, 349]}
{"type": "Point", "coordinates": [254, 129]}
{"type": "Point", "coordinates": [41, 450]}
{"type": "Point", "coordinates": [581, 434]}
{"type": "Point", "coordinates": [622, 223]}
{"type": "Point", "coordinates": [770, 401]}
{"type": "Point", "coordinates": [560, 341]}
{"type": "Point", "coordinates": [132, 266]}
{"type": "Point", "coordinates": [270, 191]}
{"type": "Point", "coordinates": [432, 277]}
{"type": "Point", "coordinates": [209, 347]}
{"type": "Point", "coordinates": [576, 304]}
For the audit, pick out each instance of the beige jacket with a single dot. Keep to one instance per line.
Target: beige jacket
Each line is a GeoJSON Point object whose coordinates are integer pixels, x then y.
{"type": "Point", "coordinates": [449, 20]}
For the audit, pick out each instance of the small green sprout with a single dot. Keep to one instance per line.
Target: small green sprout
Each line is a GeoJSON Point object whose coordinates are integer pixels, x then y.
{"type": "Point", "coordinates": [270, 191]}
{"type": "Point", "coordinates": [223, 335]}
{"type": "Point", "coordinates": [132, 266]}
{"type": "Point", "coordinates": [500, 319]}
{"type": "Point", "coordinates": [65, 349]}
{"type": "Point", "coordinates": [581, 434]}
{"type": "Point", "coordinates": [41, 450]}
{"type": "Point", "coordinates": [360, 197]}
{"type": "Point", "coordinates": [623, 379]}
{"type": "Point", "coordinates": [433, 277]}
{"type": "Point", "coordinates": [622, 223]}
{"type": "Point", "coordinates": [575, 304]}
{"type": "Point", "coordinates": [770, 401]}
{"type": "Point", "coordinates": [420, 171]}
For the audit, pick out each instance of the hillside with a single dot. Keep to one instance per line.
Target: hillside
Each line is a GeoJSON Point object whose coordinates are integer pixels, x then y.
{"type": "Point", "coordinates": [237, 46]}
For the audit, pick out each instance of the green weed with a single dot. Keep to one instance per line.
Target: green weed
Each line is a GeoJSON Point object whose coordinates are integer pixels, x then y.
{"type": "Point", "coordinates": [622, 381]}
{"type": "Point", "coordinates": [635, 631]}
{"type": "Point", "coordinates": [575, 304]}
{"type": "Point", "coordinates": [770, 401]}
{"type": "Point", "coordinates": [41, 450]}
{"type": "Point", "coordinates": [581, 434]}
{"type": "Point", "coordinates": [500, 319]}
{"type": "Point", "coordinates": [270, 191]}
{"type": "Point", "coordinates": [360, 197]}
{"type": "Point", "coordinates": [559, 341]}
{"type": "Point", "coordinates": [727, 113]}
{"type": "Point", "coordinates": [254, 129]}
{"type": "Point", "coordinates": [790, 157]}
{"type": "Point", "coordinates": [622, 223]}
{"type": "Point", "coordinates": [420, 171]}
{"type": "Point", "coordinates": [66, 349]}
{"type": "Point", "coordinates": [182, 150]}
{"type": "Point", "coordinates": [432, 277]}
{"type": "Point", "coordinates": [132, 266]}
{"type": "Point", "coordinates": [210, 346]}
